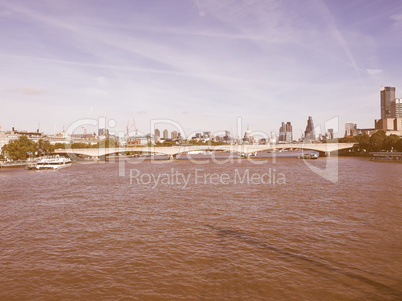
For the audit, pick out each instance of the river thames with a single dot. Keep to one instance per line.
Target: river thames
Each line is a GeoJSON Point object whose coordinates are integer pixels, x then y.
{"type": "Point", "coordinates": [186, 231]}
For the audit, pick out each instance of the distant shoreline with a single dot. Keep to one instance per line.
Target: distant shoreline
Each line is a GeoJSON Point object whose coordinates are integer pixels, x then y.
{"type": "Point", "coordinates": [354, 154]}
{"type": "Point", "coordinates": [220, 156]}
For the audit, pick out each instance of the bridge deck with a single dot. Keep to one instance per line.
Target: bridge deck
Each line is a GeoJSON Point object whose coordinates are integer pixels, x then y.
{"type": "Point", "coordinates": [175, 150]}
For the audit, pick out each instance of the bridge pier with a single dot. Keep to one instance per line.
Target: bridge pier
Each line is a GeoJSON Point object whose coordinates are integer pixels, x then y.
{"type": "Point", "coordinates": [324, 154]}
{"type": "Point", "coordinates": [172, 157]}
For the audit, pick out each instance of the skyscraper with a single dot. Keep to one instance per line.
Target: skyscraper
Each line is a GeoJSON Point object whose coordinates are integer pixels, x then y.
{"type": "Point", "coordinates": [309, 134]}
{"type": "Point", "coordinates": [165, 134]}
{"type": "Point", "coordinates": [282, 130]}
{"type": "Point", "coordinates": [157, 135]}
{"type": "Point", "coordinates": [387, 97]}
{"type": "Point", "coordinates": [288, 133]}
{"type": "Point", "coordinates": [396, 108]}
{"type": "Point", "coordinates": [285, 132]}
{"type": "Point", "coordinates": [331, 134]}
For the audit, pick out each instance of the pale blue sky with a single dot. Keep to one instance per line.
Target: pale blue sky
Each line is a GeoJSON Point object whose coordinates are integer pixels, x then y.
{"type": "Point", "coordinates": [201, 63]}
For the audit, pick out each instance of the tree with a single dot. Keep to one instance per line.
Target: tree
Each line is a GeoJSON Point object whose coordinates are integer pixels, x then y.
{"type": "Point", "coordinates": [107, 143]}
{"type": "Point", "coordinates": [82, 145]}
{"type": "Point", "coordinates": [19, 149]}
{"type": "Point", "coordinates": [398, 145]}
{"type": "Point", "coordinates": [332, 140]}
{"type": "Point", "coordinates": [377, 140]}
{"type": "Point", "coordinates": [61, 145]}
{"type": "Point", "coordinates": [347, 140]}
{"type": "Point", "coordinates": [390, 142]}
{"type": "Point", "coordinates": [364, 141]}
{"type": "Point", "coordinates": [43, 147]}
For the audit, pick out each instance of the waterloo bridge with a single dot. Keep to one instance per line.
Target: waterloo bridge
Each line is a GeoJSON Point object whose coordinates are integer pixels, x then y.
{"type": "Point", "coordinates": [324, 149]}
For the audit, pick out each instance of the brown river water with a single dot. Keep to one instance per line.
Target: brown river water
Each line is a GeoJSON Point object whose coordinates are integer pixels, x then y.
{"type": "Point", "coordinates": [233, 231]}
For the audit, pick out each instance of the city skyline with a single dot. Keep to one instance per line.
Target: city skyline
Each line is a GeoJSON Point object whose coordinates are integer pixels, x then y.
{"type": "Point", "coordinates": [200, 63]}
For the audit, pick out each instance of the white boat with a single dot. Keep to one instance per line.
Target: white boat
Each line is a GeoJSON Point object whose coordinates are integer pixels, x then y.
{"type": "Point", "coordinates": [309, 156]}
{"type": "Point", "coordinates": [248, 155]}
{"type": "Point", "coordinates": [196, 152]}
{"type": "Point", "coordinates": [50, 162]}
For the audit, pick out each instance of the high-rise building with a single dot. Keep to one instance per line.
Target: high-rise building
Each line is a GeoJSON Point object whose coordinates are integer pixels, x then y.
{"type": "Point", "coordinates": [157, 135]}
{"type": "Point", "coordinates": [103, 132]}
{"type": "Point", "coordinates": [387, 97]}
{"type": "Point", "coordinates": [165, 134]}
{"type": "Point", "coordinates": [173, 134]}
{"type": "Point", "coordinates": [286, 133]}
{"type": "Point", "coordinates": [396, 108]}
{"type": "Point", "coordinates": [309, 134]}
{"type": "Point", "coordinates": [331, 134]}
{"type": "Point", "coordinates": [350, 129]}
{"type": "Point", "coordinates": [281, 137]}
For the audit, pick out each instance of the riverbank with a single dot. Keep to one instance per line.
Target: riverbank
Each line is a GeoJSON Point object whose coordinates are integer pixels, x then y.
{"type": "Point", "coordinates": [354, 154]}
{"type": "Point", "coordinates": [14, 164]}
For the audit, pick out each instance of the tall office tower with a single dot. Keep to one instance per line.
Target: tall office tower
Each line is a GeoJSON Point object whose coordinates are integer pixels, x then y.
{"type": "Point", "coordinates": [285, 132]}
{"type": "Point", "coordinates": [288, 133]}
{"type": "Point", "coordinates": [165, 134]}
{"type": "Point", "coordinates": [331, 134]}
{"type": "Point", "coordinates": [387, 97]}
{"type": "Point", "coordinates": [309, 134]}
{"type": "Point", "coordinates": [173, 134]}
{"type": "Point", "coordinates": [157, 135]}
{"type": "Point", "coordinates": [282, 131]}
{"type": "Point", "coordinates": [396, 108]}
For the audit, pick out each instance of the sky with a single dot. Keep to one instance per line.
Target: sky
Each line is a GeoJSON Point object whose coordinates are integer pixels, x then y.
{"type": "Point", "coordinates": [202, 64]}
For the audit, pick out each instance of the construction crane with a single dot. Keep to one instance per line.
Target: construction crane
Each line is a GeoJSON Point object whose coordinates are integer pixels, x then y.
{"type": "Point", "coordinates": [135, 128]}
{"type": "Point", "coordinates": [128, 127]}
{"type": "Point", "coordinates": [135, 141]}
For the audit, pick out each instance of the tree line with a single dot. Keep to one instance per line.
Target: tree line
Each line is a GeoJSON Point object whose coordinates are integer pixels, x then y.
{"type": "Point", "coordinates": [24, 148]}
{"type": "Point", "coordinates": [377, 142]}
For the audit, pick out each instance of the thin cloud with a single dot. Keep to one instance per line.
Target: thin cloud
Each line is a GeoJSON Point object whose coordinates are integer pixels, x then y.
{"type": "Point", "coordinates": [337, 33]}
{"type": "Point", "coordinates": [397, 20]}
{"type": "Point", "coordinates": [374, 71]}
{"type": "Point", "coordinates": [201, 12]}
{"type": "Point", "coordinates": [29, 91]}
